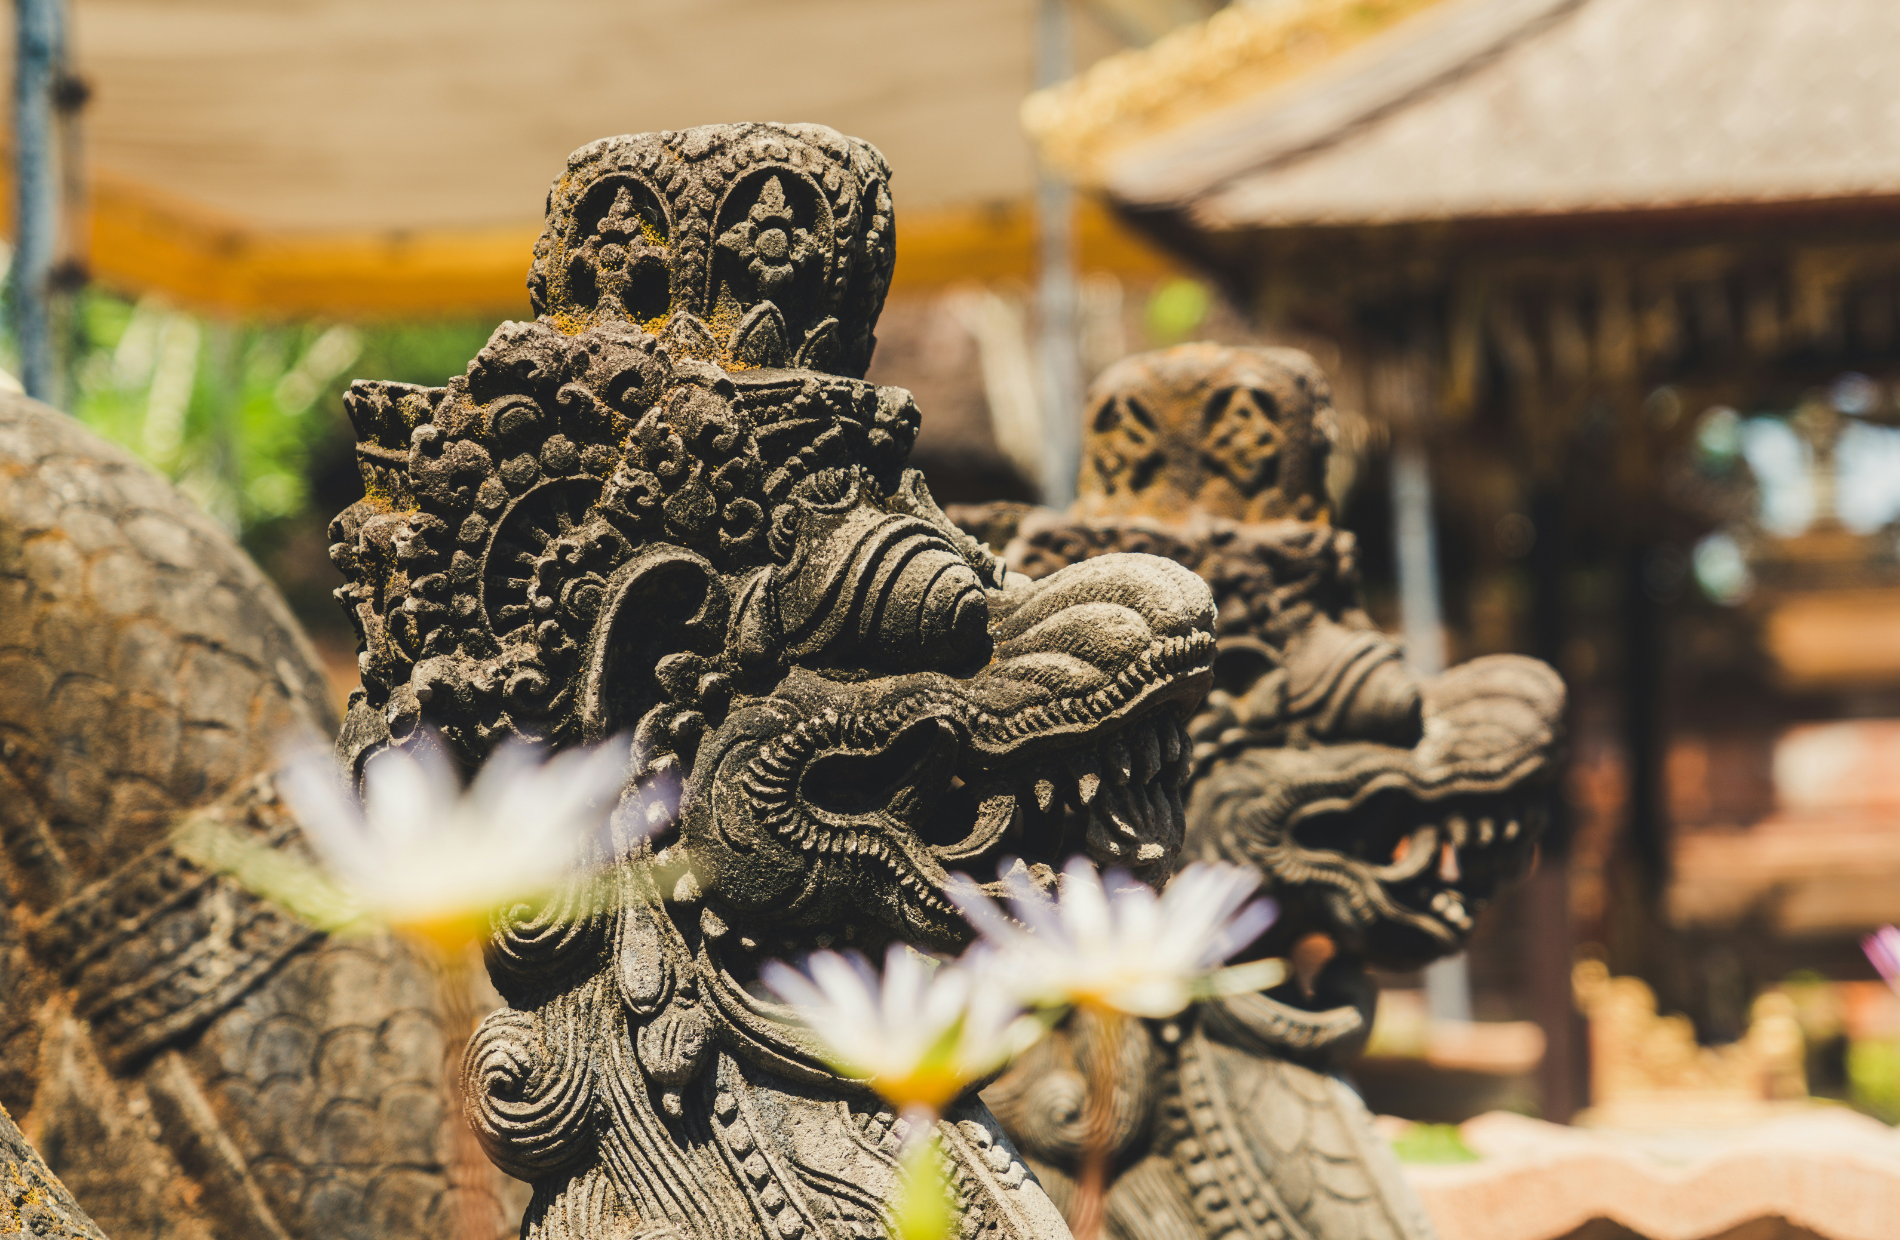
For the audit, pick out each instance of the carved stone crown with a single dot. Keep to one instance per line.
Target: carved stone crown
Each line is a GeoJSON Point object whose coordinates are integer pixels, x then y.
{"type": "Point", "coordinates": [1241, 433]}
{"type": "Point", "coordinates": [749, 245]}
{"type": "Point", "coordinates": [707, 297]}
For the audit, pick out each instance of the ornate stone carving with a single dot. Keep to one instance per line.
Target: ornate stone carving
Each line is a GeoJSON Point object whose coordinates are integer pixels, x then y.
{"type": "Point", "coordinates": [191, 1062]}
{"type": "Point", "coordinates": [668, 509]}
{"type": "Point", "coordinates": [1201, 428]}
{"type": "Point", "coordinates": [1383, 809]}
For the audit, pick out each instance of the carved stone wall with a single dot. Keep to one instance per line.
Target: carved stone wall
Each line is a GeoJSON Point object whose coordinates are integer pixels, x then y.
{"type": "Point", "coordinates": [1383, 808]}
{"type": "Point", "coordinates": [670, 511]}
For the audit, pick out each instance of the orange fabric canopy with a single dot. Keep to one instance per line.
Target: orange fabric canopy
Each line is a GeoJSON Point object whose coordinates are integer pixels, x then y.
{"type": "Point", "coordinates": [390, 157]}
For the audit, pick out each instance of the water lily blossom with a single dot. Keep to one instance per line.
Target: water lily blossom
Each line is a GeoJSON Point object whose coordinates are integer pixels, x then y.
{"type": "Point", "coordinates": [420, 854]}
{"type": "Point", "coordinates": [920, 1034]}
{"type": "Point", "coordinates": [1115, 946]}
{"type": "Point", "coordinates": [1883, 948]}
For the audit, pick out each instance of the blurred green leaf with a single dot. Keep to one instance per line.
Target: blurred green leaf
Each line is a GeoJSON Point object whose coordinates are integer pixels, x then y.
{"type": "Point", "coordinates": [1177, 309]}
{"type": "Point", "coordinates": [1433, 1143]}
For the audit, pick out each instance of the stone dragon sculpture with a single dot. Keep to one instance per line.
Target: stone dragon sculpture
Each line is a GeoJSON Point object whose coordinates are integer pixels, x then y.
{"type": "Point", "coordinates": [1383, 809]}
{"type": "Point", "coordinates": [670, 510]}
{"type": "Point", "coordinates": [191, 1063]}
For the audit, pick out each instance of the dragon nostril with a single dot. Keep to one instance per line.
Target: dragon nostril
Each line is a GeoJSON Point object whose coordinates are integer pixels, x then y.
{"type": "Point", "coordinates": [970, 626]}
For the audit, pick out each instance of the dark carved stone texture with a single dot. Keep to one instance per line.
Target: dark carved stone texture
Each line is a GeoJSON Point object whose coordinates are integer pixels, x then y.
{"type": "Point", "coordinates": [190, 1062]}
{"type": "Point", "coordinates": [1383, 809]}
{"type": "Point", "coordinates": [34, 1205]}
{"type": "Point", "coordinates": [670, 510]}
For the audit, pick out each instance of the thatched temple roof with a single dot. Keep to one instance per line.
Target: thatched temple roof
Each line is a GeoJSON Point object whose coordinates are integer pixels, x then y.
{"type": "Point", "coordinates": [1323, 113]}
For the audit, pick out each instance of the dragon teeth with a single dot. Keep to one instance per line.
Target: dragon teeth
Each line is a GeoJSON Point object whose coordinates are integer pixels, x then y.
{"type": "Point", "coordinates": [1116, 760]}
{"type": "Point", "coordinates": [1087, 786]}
{"type": "Point", "coordinates": [1147, 755]}
{"type": "Point", "coordinates": [1157, 803]}
{"type": "Point", "coordinates": [1487, 830]}
{"type": "Point", "coordinates": [1511, 828]}
{"type": "Point", "coordinates": [1452, 909]}
{"type": "Point", "coordinates": [1170, 736]}
{"type": "Point", "coordinates": [1459, 829]}
{"type": "Point", "coordinates": [1045, 794]}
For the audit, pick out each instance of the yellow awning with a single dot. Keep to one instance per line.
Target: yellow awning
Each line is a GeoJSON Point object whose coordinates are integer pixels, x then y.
{"type": "Point", "coordinates": [352, 158]}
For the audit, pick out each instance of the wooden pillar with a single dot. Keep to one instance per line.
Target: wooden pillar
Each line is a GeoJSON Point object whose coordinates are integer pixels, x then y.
{"type": "Point", "coordinates": [1550, 938]}
{"type": "Point", "coordinates": [1543, 383]}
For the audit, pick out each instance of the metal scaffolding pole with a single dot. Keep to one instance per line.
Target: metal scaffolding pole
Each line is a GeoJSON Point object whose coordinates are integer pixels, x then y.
{"type": "Point", "coordinates": [1448, 981]}
{"type": "Point", "coordinates": [1061, 366]}
{"type": "Point", "coordinates": [39, 54]}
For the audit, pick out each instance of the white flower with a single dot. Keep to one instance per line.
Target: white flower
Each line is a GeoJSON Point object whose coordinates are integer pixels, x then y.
{"type": "Point", "coordinates": [422, 855]}
{"type": "Point", "coordinates": [1120, 947]}
{"type": "Point", "coordinates": [920, 1034]}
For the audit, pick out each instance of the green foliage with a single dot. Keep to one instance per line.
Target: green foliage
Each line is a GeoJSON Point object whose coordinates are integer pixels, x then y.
{"type": "Point", "coordinates": [239, 414]}
{"type": "Point", "coordinates": [1433, 1143]}
{"type": "Point", "coordinates": [1177, 309]}
{"type": "Point", "coordinates": [1873, 1077]}
{"type": "Point", "coordinates": [230, 412]}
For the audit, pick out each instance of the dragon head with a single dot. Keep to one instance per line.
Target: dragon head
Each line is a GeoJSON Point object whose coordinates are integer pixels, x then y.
{"type": "Point", "coordinates": [1383, 807]}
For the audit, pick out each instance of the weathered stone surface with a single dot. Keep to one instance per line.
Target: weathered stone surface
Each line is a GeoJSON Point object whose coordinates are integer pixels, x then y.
{"type": "Point", "coordinates": [668, 510]}
{"type": "Point", "coordinates": [1383, 809]}
{"type": "Point", "coordinates": [33, 1203]}
{"type": "Point", "coordinates": [163, 1033]}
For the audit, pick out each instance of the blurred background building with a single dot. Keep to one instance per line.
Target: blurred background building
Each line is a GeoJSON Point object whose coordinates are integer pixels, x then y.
{"type": "Point", "coordinates": [1608, 289]}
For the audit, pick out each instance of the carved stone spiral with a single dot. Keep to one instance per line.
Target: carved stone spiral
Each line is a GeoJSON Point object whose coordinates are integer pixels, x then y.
{"type": "Point", "coordinates": [1044, 1104]}
{"type": "Point", "coordinates": [532, 942]}
{"type": "Point", "coordinates": [1052, 1122]}
{"type": "Point", "coordinates": [527, 1090]}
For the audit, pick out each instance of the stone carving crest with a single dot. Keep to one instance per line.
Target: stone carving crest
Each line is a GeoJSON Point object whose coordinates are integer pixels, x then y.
{"type": "Point", "coordinates": [1384, 810]}
{"type": "Point", "coordinates": [1204, 428]}
{"type": "Point", "coordinates": [670, 510]}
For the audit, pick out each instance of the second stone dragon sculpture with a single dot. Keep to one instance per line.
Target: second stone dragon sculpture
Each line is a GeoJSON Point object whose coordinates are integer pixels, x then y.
{"type": "Point", "coordinates": [1382, 807]}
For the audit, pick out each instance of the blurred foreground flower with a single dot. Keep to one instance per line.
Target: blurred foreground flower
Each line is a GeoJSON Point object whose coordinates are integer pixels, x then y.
{"type": "Point", "coordinates": [1117, 946]}
{"type": "Point", "coordinates": [420, 855]}
{"type": "Point", "coordinates": [920, 1035]}
{"type": "Point", "coordinates": [1883, 948]}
